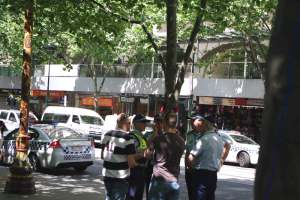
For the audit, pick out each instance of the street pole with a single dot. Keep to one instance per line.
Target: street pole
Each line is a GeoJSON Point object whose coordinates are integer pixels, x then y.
{"type": "Point", "coordinates": [48, 83]}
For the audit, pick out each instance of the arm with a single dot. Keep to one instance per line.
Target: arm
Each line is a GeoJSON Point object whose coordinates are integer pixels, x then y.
{"type": "Point", "coordinates": [225, 153]}
{"type": "Point", "coordinates": [131, 161]}
{"type": "Point", "coordinates": [194, 152]}
{"type": "Point", "coordinates": [102, 151]}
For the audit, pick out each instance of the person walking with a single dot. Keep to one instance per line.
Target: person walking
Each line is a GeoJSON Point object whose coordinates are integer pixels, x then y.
{"type": "Point", "coordinates": [167, 149]}
{"type": "Point", "coordinates": [205, 156]}
{"type": "Point", "coordinates": [2, 129]}
{"type": "Point", "coordinates": [118, 154]}
{"type": "Point", "coordinates": [137, 178]}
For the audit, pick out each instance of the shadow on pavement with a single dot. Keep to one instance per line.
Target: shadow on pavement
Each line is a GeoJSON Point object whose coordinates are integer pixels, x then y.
{"type": "Point", "coordinates": [61, 184]}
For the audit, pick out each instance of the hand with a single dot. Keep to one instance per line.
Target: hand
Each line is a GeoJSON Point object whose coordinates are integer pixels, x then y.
{"type": "Point", "coordinates": [148, 154]}
{"type": "Point", "coordinates": [222, 162]}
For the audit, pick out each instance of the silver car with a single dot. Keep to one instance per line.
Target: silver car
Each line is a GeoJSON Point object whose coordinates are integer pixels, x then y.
{"type": "Point", "coordinates": [53, 147]}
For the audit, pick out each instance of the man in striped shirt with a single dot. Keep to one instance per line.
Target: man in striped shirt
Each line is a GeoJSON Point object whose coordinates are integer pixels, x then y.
{"type": "Point", "coordinates": [118, 154]}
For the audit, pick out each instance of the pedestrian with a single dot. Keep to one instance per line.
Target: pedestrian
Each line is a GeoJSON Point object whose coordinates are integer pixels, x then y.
{"type": "Point", "coordinates": [204, 158]}
{"type": "Point", "coordinates": [137, 178]}
{"type": "Point", "coordinates": [191, 139]}
{"type": "Point", "coordinates": [167, 149]}
{"type": "Point", "coordinates": [157, 131]}
{"type": "Point", "coordinates": [118, 154]}
{"type": "Point", "coordinates": [2, 129]}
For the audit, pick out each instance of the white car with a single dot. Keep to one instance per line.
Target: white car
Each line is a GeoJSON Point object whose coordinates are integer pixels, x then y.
{"type": "Point", "coordinates": [53, 147]}
{"type": "Point", "coordinates": [11, 118]}
{"type": "Point", "coordinates": [243, 151]}
{"type": "Point", "coordinates": [82, 120]}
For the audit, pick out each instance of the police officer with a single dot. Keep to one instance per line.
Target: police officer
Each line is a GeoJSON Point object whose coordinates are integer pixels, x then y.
{"type": "Point", "coordinates": [206, 152]}
{"type": "Point", "coordinates": [137, 174]}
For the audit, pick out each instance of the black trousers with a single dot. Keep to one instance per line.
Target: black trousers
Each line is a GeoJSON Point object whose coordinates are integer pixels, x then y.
{"type": "Point", "coordinates": [201, 184]}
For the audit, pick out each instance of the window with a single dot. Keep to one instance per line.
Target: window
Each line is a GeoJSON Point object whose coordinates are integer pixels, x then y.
{"type": "Point", "coordinates": [75, 119]}
{"type": "Point", "coordinates": [91, 120]}
{"type": "Point", "coordinates": [12, 135]}
{"type": "Point", "coordinates": [12, 117]}
{"type": "Point", "coordinates": [242, 139]}
{"type": "Point", "coordinates": [61, 118]}
{"type": "Point", "coordinates": [3, 115]}
{"type": "Point", "coordinates": [64, 133]}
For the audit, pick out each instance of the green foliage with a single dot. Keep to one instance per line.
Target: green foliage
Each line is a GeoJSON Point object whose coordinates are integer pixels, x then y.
{"type": "Point", "coordinates": [82, 29]}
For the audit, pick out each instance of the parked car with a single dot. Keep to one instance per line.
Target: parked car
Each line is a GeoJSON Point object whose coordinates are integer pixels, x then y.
{"type": "Point", "coordinates": [11, 118]}
{"type": "Point", "coordinates": [243, 151]}
{"type": "Point", "coordinates": [81, 120]}
{"type": "Point", "coordinates": [53, 147]}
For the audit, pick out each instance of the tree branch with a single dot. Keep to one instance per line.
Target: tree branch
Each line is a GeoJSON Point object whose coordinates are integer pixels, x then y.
{"type": "Point", "coordinates": [189, 49]}
{"type": "Point", "coordinates": [195, 31]}
{"type": "Point", "coordinates": [132, 21]}
{"type": "Point", "coordinates": [110, 12]}
{"type": "Point", "coordinates": [154, 46]}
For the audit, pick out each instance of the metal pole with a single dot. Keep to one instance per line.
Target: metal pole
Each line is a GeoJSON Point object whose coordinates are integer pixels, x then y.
{"type": "Point", "coordinates": [47, 96]}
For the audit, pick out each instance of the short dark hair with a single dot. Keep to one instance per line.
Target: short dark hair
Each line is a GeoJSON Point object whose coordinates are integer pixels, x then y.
{"type": "Point", "coordinates": [122, 117]}
{"type": "Point", "coordinates": [171, 119]}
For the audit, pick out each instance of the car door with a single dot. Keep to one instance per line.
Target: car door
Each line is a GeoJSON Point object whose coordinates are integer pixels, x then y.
{"type": "Point", "coordinates": [39, 142]}
{"type": "Point", "coordinates": [9, 146]}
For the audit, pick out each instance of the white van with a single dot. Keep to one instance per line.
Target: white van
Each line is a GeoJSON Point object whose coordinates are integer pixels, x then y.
{"type": "Point", "coordinates": [82, 120]}
{"type": "Point", "coordinates": [11, 118]}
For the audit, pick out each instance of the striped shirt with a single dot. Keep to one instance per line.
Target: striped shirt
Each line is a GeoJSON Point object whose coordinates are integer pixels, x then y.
{"type": "Point", "coordinates": [117, 146]}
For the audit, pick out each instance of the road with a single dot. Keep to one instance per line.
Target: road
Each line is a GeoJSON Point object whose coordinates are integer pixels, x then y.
{"type": "Point", "coordinates": [234, 183]}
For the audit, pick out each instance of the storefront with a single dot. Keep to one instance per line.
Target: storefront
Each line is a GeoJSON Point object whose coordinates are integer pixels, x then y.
{"type": "Point", "coordinates": [105, 105]}
{"type": "Point", "coordinates": [240, 114]}
{"type": "Point", "coordinates": [55, 98]}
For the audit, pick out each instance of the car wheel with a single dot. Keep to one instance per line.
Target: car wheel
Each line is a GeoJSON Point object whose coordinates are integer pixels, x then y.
{"type": "Point", "coordinates": [243, 159]}
{"type": "Point", "coordinates": [35, 162]}
{"type": "Point", "coordinates": [80, 168]}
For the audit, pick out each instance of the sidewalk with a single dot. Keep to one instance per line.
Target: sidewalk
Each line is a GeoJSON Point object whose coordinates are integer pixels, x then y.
{"type": "Point", "coordinates": [64, 186]}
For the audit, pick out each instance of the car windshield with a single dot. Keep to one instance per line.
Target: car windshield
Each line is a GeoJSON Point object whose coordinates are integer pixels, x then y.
{"type": "Point", "coordinates": [64, 133]}
{"type": "Point", "coordinates": [59, 118]}
{"type": "Point", "coordinates": [91, 120]}
{"type": "Point", "coordinates": [31, 117]}
{"type": "Point", "coordinates": [242, 139]}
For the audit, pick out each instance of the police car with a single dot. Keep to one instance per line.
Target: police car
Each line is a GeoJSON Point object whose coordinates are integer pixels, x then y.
{"type": "Point", "coordinates": [243, 151]}
{"type": "Point", "coordinates": [52, 147]}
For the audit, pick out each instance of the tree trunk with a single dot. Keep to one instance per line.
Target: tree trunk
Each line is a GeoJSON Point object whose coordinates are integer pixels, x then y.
{"type": "Point", "coordinates": [171, 60]}
{"type": "Point", "coordinates": [21, 181]}
{"type": "Point", "coordinates": [278, 174]}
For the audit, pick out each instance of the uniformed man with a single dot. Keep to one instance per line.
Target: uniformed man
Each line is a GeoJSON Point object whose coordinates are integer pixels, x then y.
{"type": "Point", "coordinates": [206, 152]}
{"type": "Point", "coordinates": [137, 174]}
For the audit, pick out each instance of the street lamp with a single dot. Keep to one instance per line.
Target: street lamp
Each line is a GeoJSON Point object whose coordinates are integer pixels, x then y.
{"type": "Point", "coordinates": [50, 48]}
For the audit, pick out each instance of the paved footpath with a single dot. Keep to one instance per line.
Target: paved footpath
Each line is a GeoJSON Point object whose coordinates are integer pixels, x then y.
{"type": "Point", "coordinates": [234, 183]}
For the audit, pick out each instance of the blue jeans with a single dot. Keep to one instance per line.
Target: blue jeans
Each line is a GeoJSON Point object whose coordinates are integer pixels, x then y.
{"type": "Point", "coordinates": [163, 190]}
{"type": "Point", "coordinates": [201, 184]}
{"type": "Point", "coordinates": [136, 183]}
{"type": "Point", "coordinates": [115, 189]}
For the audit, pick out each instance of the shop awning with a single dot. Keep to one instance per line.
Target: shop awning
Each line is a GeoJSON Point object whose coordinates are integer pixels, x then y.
{"type": "Point", "coordinates": [231, 101]}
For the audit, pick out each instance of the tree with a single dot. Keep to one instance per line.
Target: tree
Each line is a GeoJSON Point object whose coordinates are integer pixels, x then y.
{"type": "Point", "coordinates": [21, 180]}
{"type": "Point", "coordinates": [278, 175]}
